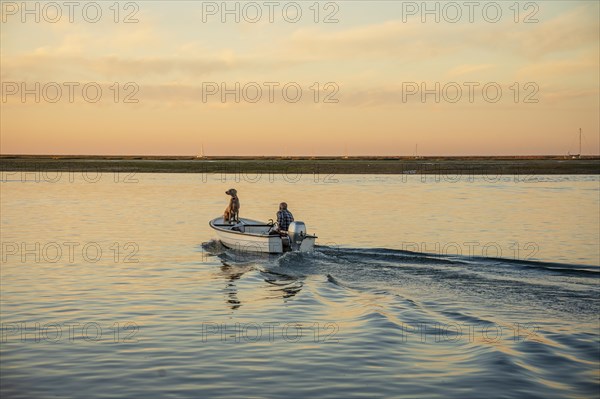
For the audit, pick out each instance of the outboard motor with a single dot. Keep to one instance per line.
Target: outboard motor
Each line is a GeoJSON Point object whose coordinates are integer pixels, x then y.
{"type": "Point", "coordinates": [296, 233]}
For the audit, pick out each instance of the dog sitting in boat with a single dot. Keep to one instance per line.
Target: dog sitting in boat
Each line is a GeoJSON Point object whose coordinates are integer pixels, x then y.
{"type": "Point", "coordinates": [231, 213]}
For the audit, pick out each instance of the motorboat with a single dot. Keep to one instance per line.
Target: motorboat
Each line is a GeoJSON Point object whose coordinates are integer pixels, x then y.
{"type": "Point", "coordinates": [256, 236]}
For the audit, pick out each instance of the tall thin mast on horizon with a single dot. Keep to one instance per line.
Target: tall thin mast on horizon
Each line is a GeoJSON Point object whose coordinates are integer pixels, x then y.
{"type": "Point", "coordinates": [580, 142]}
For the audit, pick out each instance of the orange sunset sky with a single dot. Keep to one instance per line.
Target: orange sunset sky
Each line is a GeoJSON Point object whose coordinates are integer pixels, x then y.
{"type": "Point", "coordinates": [161, 66]}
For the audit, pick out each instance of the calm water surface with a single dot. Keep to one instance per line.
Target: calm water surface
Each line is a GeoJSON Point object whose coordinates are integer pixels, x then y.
{"type": "Point", "coordinates": [421, 287]}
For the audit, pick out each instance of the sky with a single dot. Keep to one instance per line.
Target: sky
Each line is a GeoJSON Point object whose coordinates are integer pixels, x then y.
{"type": "Point", "coordinates": [299, 78]}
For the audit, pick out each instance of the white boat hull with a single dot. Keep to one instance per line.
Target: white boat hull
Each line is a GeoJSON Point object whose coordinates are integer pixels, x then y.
{"type": "Point", "coordinates": [255, 237]}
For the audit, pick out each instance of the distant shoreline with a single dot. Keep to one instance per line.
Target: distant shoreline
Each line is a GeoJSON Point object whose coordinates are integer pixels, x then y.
{"type": "Point", "coordinates": [450, 165]}
{"type": "Point", "coordinates": [299, 157]}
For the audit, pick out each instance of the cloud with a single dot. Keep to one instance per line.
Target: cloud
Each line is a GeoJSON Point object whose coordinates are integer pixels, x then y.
{"type": "Point", "coordinates": [576, 29]}
{"type": "Point", "coordinates": [40, 67]}
{"type": "Point", "coordinates": [147, 53]}
{"type": "Point", "coordinates": [570, 31]}
{"type": "Point", "coordinates": [468, 69]}
{"type": "Point", "coordinates": [590, 96]}
{"type": "Point", "coordinates": [587, 65]}
{"type": "Point", "coordinates": [390, 39]}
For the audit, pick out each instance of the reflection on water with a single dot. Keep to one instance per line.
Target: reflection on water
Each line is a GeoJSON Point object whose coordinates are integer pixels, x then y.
{"type": "Point", "coordinates": [396, 301]}
{"type": "Point", "coordinates": [238, 263]}
{"type": "Point", "coordinates": [231, 274]}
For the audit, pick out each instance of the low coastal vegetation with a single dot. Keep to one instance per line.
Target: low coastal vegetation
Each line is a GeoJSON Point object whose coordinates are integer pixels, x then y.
{"type": "Point", "coordinates": [524, 165]}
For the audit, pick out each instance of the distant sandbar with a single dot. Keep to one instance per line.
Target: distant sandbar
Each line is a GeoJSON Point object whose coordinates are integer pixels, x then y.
{"type": "Point", "coordinates": [459, 165]}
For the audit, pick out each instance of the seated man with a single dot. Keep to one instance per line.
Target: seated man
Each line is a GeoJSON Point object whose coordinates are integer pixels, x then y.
{"type": "Point", "coordinates": [284, 218]}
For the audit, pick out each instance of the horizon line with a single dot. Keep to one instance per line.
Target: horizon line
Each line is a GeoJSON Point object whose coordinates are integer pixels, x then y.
{"type": "Point", "coordinates": [125, 156]}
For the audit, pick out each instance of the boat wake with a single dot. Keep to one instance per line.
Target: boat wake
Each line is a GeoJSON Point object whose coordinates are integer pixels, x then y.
{"type": "Point", "coordinates": [503, 282]}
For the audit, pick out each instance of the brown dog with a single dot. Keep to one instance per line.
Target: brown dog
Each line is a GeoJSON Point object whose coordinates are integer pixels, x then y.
{"type": "Point", "coordinates": [232, 211]}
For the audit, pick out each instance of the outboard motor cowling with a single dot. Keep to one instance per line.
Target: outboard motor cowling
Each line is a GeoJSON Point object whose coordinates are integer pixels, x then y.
{"type": "Point", "coordinates": [296, 233]}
